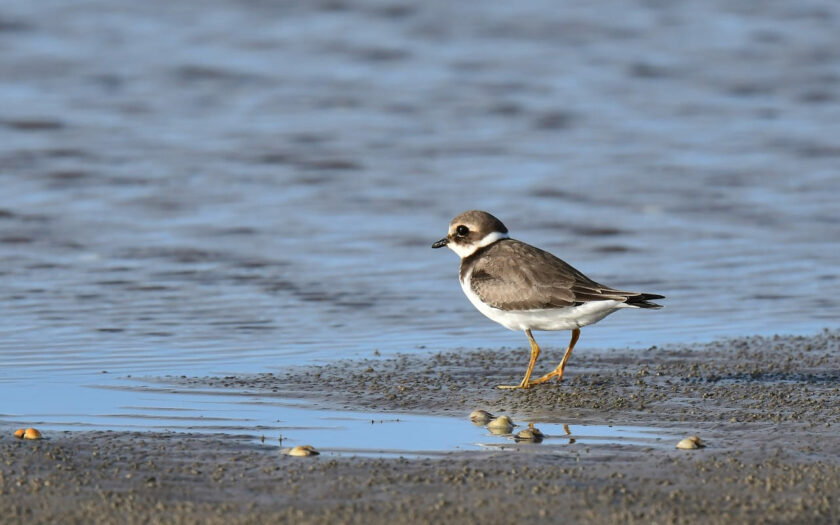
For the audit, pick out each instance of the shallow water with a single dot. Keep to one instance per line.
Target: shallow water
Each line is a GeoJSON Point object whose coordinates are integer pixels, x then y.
{"type": "Point", "coordinates": [249, 186]}
{"type": "Point", "coordinates": [131, 406]}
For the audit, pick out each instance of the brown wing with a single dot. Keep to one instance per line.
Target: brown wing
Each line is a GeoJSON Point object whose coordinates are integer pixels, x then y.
{"type": "Point", "coordinates": [517, 276]}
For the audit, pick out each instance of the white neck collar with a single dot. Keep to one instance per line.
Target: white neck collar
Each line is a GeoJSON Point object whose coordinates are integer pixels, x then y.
{"type": "Point", "coordinates": [466, 251]}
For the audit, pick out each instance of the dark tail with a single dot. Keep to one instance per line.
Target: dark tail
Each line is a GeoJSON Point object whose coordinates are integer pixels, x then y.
{"type": "Point", "coordinates": [642, 300]}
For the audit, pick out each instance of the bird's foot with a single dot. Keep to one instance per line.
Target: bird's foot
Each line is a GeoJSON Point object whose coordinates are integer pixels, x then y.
{"type": "Point", "coordinates": [557, 372]}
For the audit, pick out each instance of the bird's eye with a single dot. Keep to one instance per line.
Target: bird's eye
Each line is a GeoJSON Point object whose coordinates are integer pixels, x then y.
{"type": "Point", "coordinates": [462, 230]}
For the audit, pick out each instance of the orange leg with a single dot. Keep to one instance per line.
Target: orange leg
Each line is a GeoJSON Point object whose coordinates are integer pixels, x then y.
{"type": "Point", "coordinates": [535, 353]}
{"type": "Point", "coordinates": [558, 372]}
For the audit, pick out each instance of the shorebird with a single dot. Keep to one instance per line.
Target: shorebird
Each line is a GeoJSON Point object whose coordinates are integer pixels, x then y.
{"type": "Point", "coordinates": [522, 287]}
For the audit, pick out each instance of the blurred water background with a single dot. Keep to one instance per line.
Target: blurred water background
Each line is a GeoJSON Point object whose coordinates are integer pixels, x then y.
{"type": "Point", "coordinates": [239, 186]}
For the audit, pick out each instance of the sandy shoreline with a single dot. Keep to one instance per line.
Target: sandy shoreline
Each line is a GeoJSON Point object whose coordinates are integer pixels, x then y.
{"type": "Point", "coordinates": [767, 407]}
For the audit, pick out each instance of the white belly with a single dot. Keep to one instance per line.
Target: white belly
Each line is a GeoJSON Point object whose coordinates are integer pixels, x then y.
{"type": "Point", "coordinates": [567, 318]}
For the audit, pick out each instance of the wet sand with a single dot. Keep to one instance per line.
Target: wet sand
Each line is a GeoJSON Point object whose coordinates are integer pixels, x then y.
{"type": "Point", "coordinates": [766, 407]}
{"type": "Point", "coordinates": [240, 185]}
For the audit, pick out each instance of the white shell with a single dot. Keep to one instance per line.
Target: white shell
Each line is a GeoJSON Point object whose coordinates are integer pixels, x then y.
{"type": "Point", "coordinates": [303, 451]}
{"type": "Point", "coordinates": [500, 425]}
{"type": "Point", "coordinates": [690, 443]}
{"type": "Point", "coordinates": [481, 417]}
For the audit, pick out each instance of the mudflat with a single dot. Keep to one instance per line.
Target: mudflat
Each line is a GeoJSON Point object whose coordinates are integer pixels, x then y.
{"type": "Point", "coordinates": [766, 408]}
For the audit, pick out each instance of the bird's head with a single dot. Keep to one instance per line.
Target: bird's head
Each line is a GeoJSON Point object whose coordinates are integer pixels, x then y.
{"type": "Point", "coordinates": [471, 231]}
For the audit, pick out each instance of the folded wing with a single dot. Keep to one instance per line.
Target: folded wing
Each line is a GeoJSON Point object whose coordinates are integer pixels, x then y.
{"type": "Point", "coordinates": [517, 276]}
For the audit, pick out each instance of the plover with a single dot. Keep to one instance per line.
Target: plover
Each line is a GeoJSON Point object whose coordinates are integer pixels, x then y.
{"type": "Point", "coordinates": [522, 287]}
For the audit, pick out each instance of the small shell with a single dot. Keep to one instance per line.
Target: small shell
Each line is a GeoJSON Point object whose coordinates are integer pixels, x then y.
{"type": "Point", "coordinates": [19, 433]}
{"type": "Point", "coordinates": [690, 443]}
{"type": "Point", "coordinates": [480, 417]}
{"type": "Point", "coordinates": [32, 433]}
{"type": "Point", "coordinates": [531, 434]}
{"type": "Point", "coordinates": [303, 450]}
{"type": "Point", "coordinates": [500, 425]}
